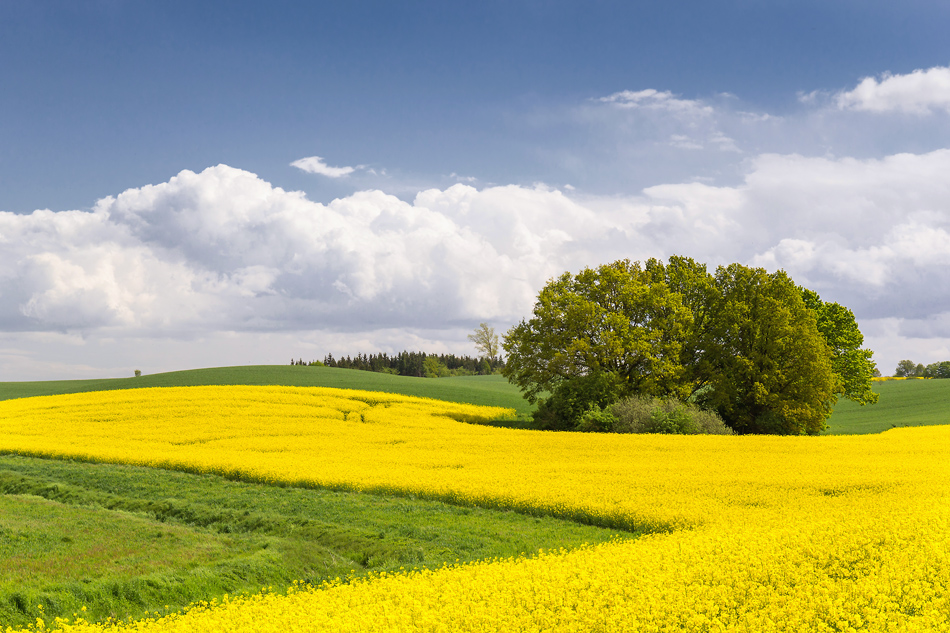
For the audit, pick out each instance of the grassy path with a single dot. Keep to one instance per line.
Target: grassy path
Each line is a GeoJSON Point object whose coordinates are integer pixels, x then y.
{"type": "Point", "coordinates": [124, 540]}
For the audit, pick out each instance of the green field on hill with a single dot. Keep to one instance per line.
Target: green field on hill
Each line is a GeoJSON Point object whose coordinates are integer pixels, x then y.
{"type": "Point", "coordinates": [901, 403]}
{"type": "Point", "coordinates": [485, 390]}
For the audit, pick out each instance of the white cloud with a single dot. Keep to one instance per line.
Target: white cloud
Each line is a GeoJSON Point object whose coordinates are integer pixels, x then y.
{"type": "Point", "coordinates": [224, 251]}
{"type": "Point", "coordinates": [316, 165]}
{"type": "Point", "coordinates": [724, 143]}
{"type": "Point", "coordinates": [683, 141]}
{"type": "Point", "coordinates": [919, 92]}
{"type": "Point", "coordinates": [651, 99]}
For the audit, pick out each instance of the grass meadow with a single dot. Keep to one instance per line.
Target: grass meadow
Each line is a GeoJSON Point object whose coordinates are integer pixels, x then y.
{"type": "Point", "coordinates": [125, 541]}
{"type": "Point", "coordinates": [122, 540]}
{"type": "Point", "coordinates": [902, 403]}
{"type": "Point", "coordinates": [492, 391]}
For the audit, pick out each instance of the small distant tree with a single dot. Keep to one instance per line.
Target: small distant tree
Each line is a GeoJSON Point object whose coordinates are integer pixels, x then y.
{"type": "Point", "coordinates": [138, 373]}
{"type": "Point", "coordinates": [938, 370]}
{"type": "Point", "coordinates": [486, 341]}
{"type": "Point", "coordinates": [434, 368]}
{"type": "Point", "coordinates": [905, 369]}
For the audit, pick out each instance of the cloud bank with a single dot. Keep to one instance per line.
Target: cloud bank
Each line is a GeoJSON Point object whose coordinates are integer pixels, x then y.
{"type": "Point", "coordinates": [919, 92]}
{"type": "Point", "coordinates": [225, 251]}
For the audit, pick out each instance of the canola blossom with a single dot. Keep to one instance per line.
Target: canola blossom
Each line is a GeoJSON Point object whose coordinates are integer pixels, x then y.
{"type": "Point", "coordinates": [748, 533]}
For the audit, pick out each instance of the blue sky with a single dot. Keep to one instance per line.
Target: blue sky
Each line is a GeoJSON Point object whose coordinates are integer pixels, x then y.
{"type": "Point", "coordinates": [533, 137]}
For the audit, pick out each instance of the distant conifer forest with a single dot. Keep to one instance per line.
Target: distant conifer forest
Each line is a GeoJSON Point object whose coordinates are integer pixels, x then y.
{"type": "Point", "coordinates": [417, 364]}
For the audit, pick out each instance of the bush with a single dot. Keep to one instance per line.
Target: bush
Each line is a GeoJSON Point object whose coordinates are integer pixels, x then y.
{"type": "Point", "coordinates": [597, 420]}
{"type": "Point", "coordinates": [641, 414]}
{"type": "Point", "coordinates": [574, 398]}
{"type": "Point", "coordinates": [434, 368]}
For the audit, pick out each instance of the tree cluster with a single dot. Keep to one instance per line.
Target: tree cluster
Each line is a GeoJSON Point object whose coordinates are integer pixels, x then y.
{"type": "Point", "coordinates": [907, 369]}
{"type": "Point", "coordinates": [418, 364]}
{"type": "Point", "coordinates": [763, 353]}
{"type": "Point", "coordinates": [300, 362]}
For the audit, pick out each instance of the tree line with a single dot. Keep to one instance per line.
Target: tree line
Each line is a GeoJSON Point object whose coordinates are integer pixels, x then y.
{"type": "Point", "coordinates": [907, 369]}
{"type": "Point", "coordinates": [764, 354]}
{"type": "Point", "coordinates": [416, 364]}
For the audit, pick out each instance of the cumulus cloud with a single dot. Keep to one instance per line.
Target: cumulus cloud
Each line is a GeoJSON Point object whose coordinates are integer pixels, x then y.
{"type": "Point", "coordinates": [225, 251]}
{"type": "Point", "coordinates": [316, 165]}
{"type": "Point", "coordinates": [918, 92]}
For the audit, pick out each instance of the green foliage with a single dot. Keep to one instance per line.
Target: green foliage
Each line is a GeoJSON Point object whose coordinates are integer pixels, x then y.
{"type": "Point", "coordinates": [123, 540]}
{"type": "Point", "coordinates": [608, 320]}
{"type": "Point", "coordinates": [434, 368]}
{"type": "Point", "coordinates": [741, 342]}
{"type": "Point", "coordinates": [698, 292]}
{"type": "Point", "coordinates": [597, 420]}
{"type": "Point", "coordinates": [675, 421]}
{"type": "Point", "coordinates": [852, 365]}
{"type": "Point", "coordinates": [771, 370]}
{"type": "Point", "coordinates": [938, 370]}
{"type": "Point", "coordinates": [907, 369]}
{"type": "Point", "coordinates": [648, 414]}
{"type": "Point", "coordinates": [571, 399]}
{"type": "Point", "coordinates": [643, 414]}
{"type": "Point", "coordinates": [413, 363]}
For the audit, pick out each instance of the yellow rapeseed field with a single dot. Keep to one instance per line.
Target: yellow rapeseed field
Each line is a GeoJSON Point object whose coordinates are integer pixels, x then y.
{"type": "Point", "coordinates": [747, 533]}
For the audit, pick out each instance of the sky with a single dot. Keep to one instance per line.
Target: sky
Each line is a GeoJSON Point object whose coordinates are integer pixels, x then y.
{"type": "Point", "coordinates": [190, 184]}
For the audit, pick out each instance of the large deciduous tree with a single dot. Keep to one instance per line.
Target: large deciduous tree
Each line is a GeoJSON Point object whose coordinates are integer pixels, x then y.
{"type": "Point", "coordinates": [743, 342]}
{"type": "Point", "coordinates": [609, 320]}
{"type": "Point", "coordinates": [768, 369]}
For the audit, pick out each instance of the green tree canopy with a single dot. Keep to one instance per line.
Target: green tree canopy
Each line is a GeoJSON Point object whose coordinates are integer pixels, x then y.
{"type": "Point", "coordinates": [938, 370]}
{"type": "Point", "coordinates": [768, 368]}
{"type": "Point", "coordinates": [851, 364]}
{"type": "Point", "coordinates": [608, 320]}
{"type": "Point", "coordinates": [905, 369]}
{"type": "Point", "coordinates": [743, 342]}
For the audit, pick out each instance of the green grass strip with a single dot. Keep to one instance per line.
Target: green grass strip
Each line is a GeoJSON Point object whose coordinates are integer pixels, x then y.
{"type": "Point", "coordinates": [124, 540]}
